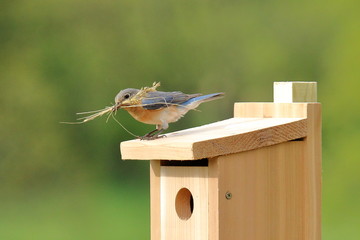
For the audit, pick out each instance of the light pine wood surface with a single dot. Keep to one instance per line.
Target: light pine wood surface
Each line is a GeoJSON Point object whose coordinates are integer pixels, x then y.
{"type": "Point", "coordinates": [186, 225]}
{"type": "Point", "coordinates": [276, 189]}
{"type": "Point", "coordinates": [224, 137]}
{"type": "Point", "coordinates": [268, 157]}
{"type": "Point", "coordinates": [268, 188]}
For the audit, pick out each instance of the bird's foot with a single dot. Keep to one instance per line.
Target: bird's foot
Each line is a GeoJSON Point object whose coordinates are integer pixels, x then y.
{"type": "Point", "coordinates": [155, 134]}
{"type": "Point", "coordinates": [151, 137]}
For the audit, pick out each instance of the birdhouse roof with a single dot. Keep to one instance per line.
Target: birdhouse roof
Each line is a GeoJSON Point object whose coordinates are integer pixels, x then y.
{"type": "Point", "coordinates": [220, 138]}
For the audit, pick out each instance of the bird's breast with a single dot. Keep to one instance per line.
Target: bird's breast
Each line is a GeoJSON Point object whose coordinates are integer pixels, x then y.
{"type": "Point", "coordinates": [143, 115]}
{"type": "Point", "coordinates": [158, 116]}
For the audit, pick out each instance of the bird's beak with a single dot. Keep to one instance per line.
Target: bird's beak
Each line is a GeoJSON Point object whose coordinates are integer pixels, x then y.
{"type": "Point", "coordinates": [121, 104]}
{"type": "Point", "coordinates": [117, 106]}
{"type": "Point", "coordinates": [126, 102]}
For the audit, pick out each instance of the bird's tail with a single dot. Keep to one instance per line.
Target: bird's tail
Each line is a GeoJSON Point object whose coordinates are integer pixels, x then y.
{"type": "Point", "coordinates": [209, 97]}
{"type": "Point", "coordinates": [194, 102]}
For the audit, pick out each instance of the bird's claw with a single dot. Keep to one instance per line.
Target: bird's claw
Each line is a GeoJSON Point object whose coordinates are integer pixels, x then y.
{"type": "Point", "coordinates": [151, 137]}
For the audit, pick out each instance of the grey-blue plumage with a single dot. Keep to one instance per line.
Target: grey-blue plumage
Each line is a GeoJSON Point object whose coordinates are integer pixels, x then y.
{"type": "Point", "coordinates": [157, 100]}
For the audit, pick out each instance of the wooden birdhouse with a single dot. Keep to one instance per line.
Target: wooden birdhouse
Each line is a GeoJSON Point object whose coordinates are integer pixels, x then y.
{"type": "Point", "coordinates": [255, 176]}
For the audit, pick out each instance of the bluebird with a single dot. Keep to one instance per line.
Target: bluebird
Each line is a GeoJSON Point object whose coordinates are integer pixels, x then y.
{"type": "Point", "coordinates": [150, 106]}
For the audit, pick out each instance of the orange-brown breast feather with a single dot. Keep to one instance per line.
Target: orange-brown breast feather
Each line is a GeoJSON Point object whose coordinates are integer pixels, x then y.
{"type": "Point", "coordinates": [144, 115]}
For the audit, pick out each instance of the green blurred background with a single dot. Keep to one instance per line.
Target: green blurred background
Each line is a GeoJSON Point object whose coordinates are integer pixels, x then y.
{"type": "Point", "coordinates": [62, 57]}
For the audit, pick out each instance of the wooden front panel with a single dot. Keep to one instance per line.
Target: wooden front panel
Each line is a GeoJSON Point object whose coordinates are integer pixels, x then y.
{"type": "Point", "coordinates": [183, 203]}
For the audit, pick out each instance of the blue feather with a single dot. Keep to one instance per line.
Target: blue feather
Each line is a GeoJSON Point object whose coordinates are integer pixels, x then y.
{"type": "Point", "coordinates": [203, 98]}
{"type": "Point", "coordinates": [158, 100]}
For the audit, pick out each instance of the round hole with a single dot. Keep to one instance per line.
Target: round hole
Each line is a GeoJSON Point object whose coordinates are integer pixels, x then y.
{"type": "Point", "coordinates": [184, 204]}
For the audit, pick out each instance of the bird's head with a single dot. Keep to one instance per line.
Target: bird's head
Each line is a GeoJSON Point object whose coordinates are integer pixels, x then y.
{"type": "Point", "coordinates": [125, 97]}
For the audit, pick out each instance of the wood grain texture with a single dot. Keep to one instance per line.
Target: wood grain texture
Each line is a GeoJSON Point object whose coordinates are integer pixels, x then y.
{"type": "Point", "coordinates": [214, 210]}
{"type": "Point", "coordinates": [173, 179]}
{"type": "Point", "coordinates": [291, 92]}
{"type": "Point", "coordinates": [275, 182]}
{"type": "Point", "coordinates": [313, 170]}
{"type": "Point", "coordinates": [276, 189]}
{"type": "Point", "coordinates": [267, 186]}
{"type": "Point", "coordinates": [270, 110]}
{"type": "Point", "coordinates": [220, 138]}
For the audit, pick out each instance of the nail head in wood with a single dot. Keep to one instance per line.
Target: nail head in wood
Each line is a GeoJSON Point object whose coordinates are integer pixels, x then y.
{"type": "Point", "coordinates": [228, 195]}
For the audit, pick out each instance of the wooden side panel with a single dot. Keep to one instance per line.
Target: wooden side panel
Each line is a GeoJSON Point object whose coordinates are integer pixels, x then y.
{"type": "Point", "coordinates": [193, 226]}
{"type": "Point", "coordinates": [267, 187]}
{"type": "Point", "coordinates": [155, 199]}
{"type": "Point", "coordinates": [312, 166]}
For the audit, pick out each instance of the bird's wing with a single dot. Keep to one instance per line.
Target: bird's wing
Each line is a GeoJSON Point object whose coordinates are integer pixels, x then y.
{"type": "Point", "coordinates": [157, 100]}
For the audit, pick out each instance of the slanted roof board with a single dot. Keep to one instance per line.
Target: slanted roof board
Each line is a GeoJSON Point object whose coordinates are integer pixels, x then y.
{"type": "Point", "coordinates": [215, 139]}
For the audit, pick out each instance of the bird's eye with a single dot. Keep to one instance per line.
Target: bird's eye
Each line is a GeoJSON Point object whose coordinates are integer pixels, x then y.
{"type": "Point", "coordinates": [127, 96]}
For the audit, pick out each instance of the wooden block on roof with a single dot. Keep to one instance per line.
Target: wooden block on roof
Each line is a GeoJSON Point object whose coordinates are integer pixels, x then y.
{"type": "Point", "coordinates": [291, 92]}
{"type": "Point", "coordinates": [220, 138]}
